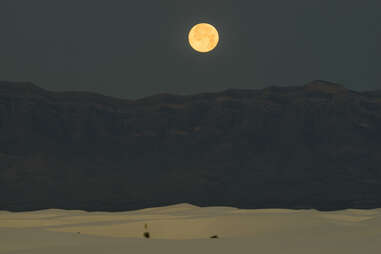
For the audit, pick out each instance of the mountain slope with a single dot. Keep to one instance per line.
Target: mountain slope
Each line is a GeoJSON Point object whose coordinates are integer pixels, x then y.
{"type": "Point", "coordinates": [316, 146]}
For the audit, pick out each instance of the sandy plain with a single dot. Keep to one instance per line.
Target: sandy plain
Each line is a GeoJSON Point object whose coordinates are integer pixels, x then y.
{"type": "Point", "coordinates": [185, 228]}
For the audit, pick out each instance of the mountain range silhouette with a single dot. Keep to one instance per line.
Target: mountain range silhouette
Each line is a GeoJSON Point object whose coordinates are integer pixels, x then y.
{"type": "Point", "coordinates": [313, 146]}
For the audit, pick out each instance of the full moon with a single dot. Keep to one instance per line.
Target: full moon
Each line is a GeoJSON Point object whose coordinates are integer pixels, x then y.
{"type": "Point", "coordinates": [203, 37]}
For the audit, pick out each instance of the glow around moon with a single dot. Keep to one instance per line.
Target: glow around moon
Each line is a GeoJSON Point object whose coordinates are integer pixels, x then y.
{"type": "Point", "coordinates": [203, 37]}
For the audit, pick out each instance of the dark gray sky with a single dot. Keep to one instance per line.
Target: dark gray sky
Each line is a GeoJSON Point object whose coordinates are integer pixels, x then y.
{"type": "Point", "coordinates": [132, 49]}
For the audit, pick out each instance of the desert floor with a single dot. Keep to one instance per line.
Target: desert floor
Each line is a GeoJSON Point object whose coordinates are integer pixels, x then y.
{"type": "Point", "coordinates": [185, 229]}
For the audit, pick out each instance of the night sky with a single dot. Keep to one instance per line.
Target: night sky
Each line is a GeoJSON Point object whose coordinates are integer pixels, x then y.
{"type": "Point", "coordinates": [133, 49]}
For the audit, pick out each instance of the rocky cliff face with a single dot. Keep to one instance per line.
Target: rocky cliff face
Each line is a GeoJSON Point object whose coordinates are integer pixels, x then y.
{"type": "Point", "coordinates": [316, 146]}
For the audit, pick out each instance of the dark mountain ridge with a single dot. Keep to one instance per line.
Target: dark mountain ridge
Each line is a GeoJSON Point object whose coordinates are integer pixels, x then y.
{"type": "Point", "coordinates": [316, 146]}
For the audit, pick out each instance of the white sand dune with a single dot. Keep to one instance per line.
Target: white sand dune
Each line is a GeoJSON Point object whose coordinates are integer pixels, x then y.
{"type": "Point", "coordinates": [185, 228]}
